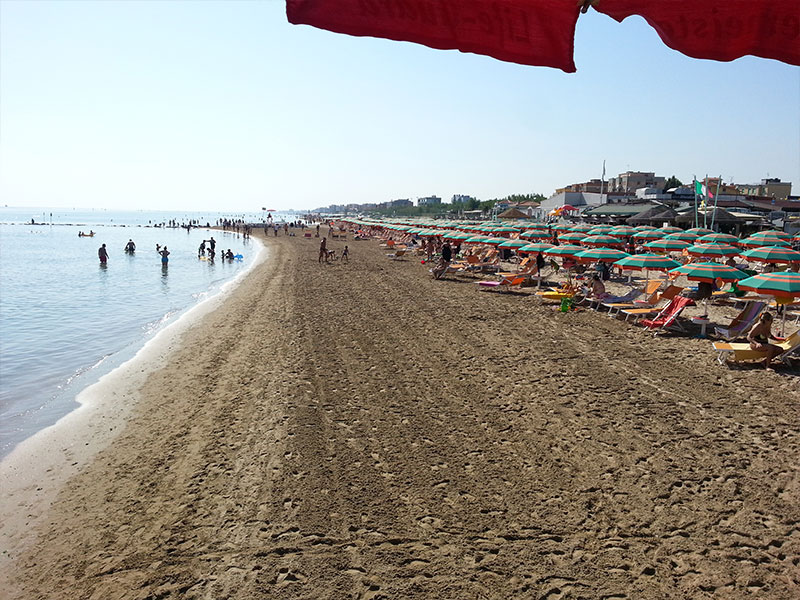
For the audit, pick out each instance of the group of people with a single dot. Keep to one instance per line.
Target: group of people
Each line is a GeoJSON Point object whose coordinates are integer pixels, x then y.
{"type": "Point", "coordinates": [328, 255]}
{"type": "Point", "coordinates": [130, 248]}
{"type": "Point", "coordinates": [211, 250]}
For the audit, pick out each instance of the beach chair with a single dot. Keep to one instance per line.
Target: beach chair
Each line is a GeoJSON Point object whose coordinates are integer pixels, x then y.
{"type": "Point", "coordinates": [643, 310]}
{"type": "Point", "coordinates": [609, 300]}
{"type": "Point", "coordinates": [668, 317]}
{"type": "Point", "coordinates": [737, 352]}
{"type": "Point", "coordinates": [397, 254]}
{"type": "Point", "coordinates": [741, 322]}
{"type": "Point", "coordinates": [503, 285]}
{"type": "Point", "coordinates": [650, 290]}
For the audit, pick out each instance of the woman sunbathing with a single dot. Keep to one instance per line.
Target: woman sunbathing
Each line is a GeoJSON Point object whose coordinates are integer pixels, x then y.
{"type": "Point", "coordinates": [759, 337]}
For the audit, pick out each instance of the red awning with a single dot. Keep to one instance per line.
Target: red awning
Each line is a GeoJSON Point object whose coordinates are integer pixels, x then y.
{"type": "Point", "coordinates": [541, 32]}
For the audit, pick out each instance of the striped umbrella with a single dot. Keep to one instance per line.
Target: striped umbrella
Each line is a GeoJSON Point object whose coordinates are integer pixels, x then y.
{"type": "Point", "coordinates": [772, 254]}
{"type": "Point", "coordinates": [536, 234]}
{"type": "Point", "coordinates": [712, 250]}
{"type": "Point", "coordinates": [685, 236]}
{"type": "Point", "coordinates": [622, 231]}
{"type": "Point", "coordinates": [477, 239]}
{"type": "Point", "coordinates": [641, 262]}
{"type": "Point", "coordinates": [670, 229]}
{"type": "Point", "coordinates": [649, 234]}
{"type": "Point", "coordinates": [700, 230]}
{"type": "Point", "coordinates": [561, 227]}
{"type": "Point", "coordinates": [536, 247]}
{"type": "Point", "coordinates": [709, 272]}
{"type": "Point", "coordinates": [666, 245]}
{"type": "Point", "coordinates": [601, 240]}
{"type": "Point", "coordinates": [718, 238]}
{"type": "Point", "coordinates": [494, 241]}
{"type": "Point", "coordinates": [583, 227]}
{"type": "Point", "coordinates": [609, 255]}
{"type": "Point", "coordinates": [600, 230]}
{"type": "Point", "coordinates": [764, 241]}
{"type": "Point", "coordinates": [572, 236]}
{"type": "Point", "coordinates": [781, 235]}
{"type": "Point", "coordinates": [513, 244]}
{"type": "Point", "coordinates": [564, 250]}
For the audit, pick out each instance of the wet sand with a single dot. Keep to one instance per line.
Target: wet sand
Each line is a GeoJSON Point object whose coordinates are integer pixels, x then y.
{"type": "Point", "coordinates": [358, 430]}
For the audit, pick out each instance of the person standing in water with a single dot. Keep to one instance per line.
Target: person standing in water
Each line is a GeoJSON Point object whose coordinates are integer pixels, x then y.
{"type": "Point", "coordinates": [164, 254]}
{"type": "Point", "coordinates": [130, 247]}
{"type": "Point", "coordinates": [102, 253]}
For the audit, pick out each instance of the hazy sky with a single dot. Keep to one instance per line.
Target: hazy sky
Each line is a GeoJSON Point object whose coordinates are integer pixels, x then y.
{"type": "Point", "coordinates": [225, 105]}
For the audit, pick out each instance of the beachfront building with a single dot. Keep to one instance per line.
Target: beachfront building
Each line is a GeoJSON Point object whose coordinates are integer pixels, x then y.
{"type": "Point", "coordinates": [772, 188]}
{"type": "Point", "coordinates": [631, 181]}
{"type": "Point", "coordinates": [428, 201]}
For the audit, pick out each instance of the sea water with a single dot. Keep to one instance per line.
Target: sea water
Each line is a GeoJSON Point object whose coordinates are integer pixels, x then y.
{"type": "Point", "coordinates": [66, 320]}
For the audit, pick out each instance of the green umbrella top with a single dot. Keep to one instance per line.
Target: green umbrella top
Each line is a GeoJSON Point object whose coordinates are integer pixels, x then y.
{"type": "Point", "coordinates": [685, 236]}
{"type": "Point", "coordinates": [600, 229]}
{"type": "Point", "coordinates": [718, 238]}
{"type": "Point", "coordinates": [601, 255]}
{"type": "Point", "coordinates": [640, 262]}
{"type": "Point", "coordinates": [712, 250]}
{"type": "Point", "coordinates": [649, 234]}
{"type": "Point", "coordinates": [665, 244]}
{"type": "Point", "coordinates": [622, 231]}
{"type": "Point", "coordinates": [700, 230]}
{"type": "Point", "coordinates": [564, 250]}
{"type": "Point", "coordinates": [783, 285]}
{"type": "Point", "coordinates": [601, 240]}
{"type": "Point", "coordinates": [781, 235]}
{"type": "Point", "coordinates": [670, 229]}
{"type": "Point", "coordinates": [536, 247]}
{"type": "Point", "coordinates": [583, 227]}
{"type": "Point", "coordinates": [572, 236]}
{"type": "Point", "coordinates": [752, 242]}
{"type": "Point", "coordinates": [536, 234]}
{"type": "Point", "coordinates": [709, 272]}
{"type": "Point", "coordinates": [513, 244]}
{"type": "Point", "coordinates": [772, 254]}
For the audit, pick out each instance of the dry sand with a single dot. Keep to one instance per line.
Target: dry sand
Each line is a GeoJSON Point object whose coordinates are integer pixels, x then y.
{"type": "Point", "coordinates": [362, 431]}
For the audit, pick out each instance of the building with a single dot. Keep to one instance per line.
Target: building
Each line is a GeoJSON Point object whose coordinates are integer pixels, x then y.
{"type": "Point", "coordinates": [773, 188]}
{"type": "Point", "coordinates": [592, 186]}
{"type": "Point", "coordinates": [460, 199]}
{"type": "Point", "coordinates": [630, 181]}
{"type": "Point", "coordinates": [429, 200]}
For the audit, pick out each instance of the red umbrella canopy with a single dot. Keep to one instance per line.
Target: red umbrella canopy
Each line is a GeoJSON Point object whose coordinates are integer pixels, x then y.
{"type": "Point", "coordinates": [667, 245]}
{"type": "Point", "coordinates": [782, 285]}
{"type": "Point", "coordinates": [542, 32]}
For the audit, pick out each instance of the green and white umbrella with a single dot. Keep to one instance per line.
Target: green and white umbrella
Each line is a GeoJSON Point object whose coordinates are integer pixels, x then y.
{"type": "Point", "coordinates": [513, 244]}
{"type": "Point", "coordinates": [781, 235]}
{"type": "Point", "coordinates": [700, 230]}
{"type": "Point", "coordinates": [604, 241]}
{"type": "Point", "coordinates": [642, 262]}
{"type": "Point", "coordinates": [536, 234]}
{"type": "Point", "coordinates": [564, 250]}
{"type": "Point", "coordinates": [572, 236]}
{"type": "Point", "coordinates": [710, 272]}
{"type": "Point", "coordinates": [649, 234]}
{"type": "Point", "coordinates": [536, 247]}
{"type": "Point", "coordinates": [622, 231]}
{"type": "Point", "coordinates": [684, 236]}
{"type": "Point", "coordinates": [752, 242]}
{"type": "Point", "coordinates": [785, 286]}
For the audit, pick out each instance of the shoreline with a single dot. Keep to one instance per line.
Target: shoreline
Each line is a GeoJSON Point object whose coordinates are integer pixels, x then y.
{"type": "Point", "coordinates": [359, 429]}
{"type": "Point", "coordinates": [35, 470]}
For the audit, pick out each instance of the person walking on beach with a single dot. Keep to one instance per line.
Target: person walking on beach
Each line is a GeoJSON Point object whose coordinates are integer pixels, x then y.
{"type": "Point", "coordinates": [164, 254]}
{"type": "Point", "coordinates": [102, 254]}
{"type": "Point", "coordinates": [346, 254]}
{"type": "Point", "coordinates": [323, 250]}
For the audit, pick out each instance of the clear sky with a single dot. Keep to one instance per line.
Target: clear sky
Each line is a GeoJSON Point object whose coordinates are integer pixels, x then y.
{"type": "Point", "coordinates": [226, 106]}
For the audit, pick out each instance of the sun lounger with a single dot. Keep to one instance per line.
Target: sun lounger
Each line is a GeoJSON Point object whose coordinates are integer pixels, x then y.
{"type": "Point", "coordinates": [641, 311]}
{"type": "Point", "coordinates": [504, 285]}
{"type": "Point", "coordinates": [734, 352]}
{"type": "Point", "coordinates": [668, 317]}
{"type": "Point", "coordinates": [611, 300]}
{"type": "Point", "coordinates": [742, 322]}
{"type": "Point", "coordinates": [650, 290]}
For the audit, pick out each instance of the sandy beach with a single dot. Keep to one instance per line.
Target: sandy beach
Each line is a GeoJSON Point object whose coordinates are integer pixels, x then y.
{"type": "Point", "coordinates": [359, 430]}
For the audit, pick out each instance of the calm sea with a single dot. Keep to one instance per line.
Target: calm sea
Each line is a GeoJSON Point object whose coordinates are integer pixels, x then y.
{"type": "Point", "coordinates": [65, 320]}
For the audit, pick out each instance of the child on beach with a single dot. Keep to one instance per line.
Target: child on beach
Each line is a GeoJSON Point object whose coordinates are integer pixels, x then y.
{"type": "Point", "coordinates": [346, 254]}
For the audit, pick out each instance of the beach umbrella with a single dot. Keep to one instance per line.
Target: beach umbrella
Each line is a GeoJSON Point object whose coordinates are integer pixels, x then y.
{"type": "Point", "coordinates": [666, 245]}
{"type": "Point", "coordinates": [700, 230]}
{"type": "Point", "coordinates": [495, 241]}
{"type": "Point", "coordinates": [709, 272]}
{"type": "Point", "coordinates": [600, 230]}
{"type": "Point", "coordinates": [785, 286]}
{"type": "Point", "coordinates": [572, 236]}
{"type": "Point", "coordinates": [781, 235]}
{"type": "Point", "coordinates": [622, 231]}
{"type": "Point", "coordinates": [649, 234]}
{"type": "Point", "coordinates": [718, 238]}
{"type": "Point", "coordinates": [670, 229]}
{"type": "Point", "coordinates": [582, 227]}
{"type": "Point", "coordinates": [642, 262]}
{"type": "Point", "coordinates": [609, 255]}
{"type": "Point", "coordinates": [477, 239]}
{"type": "Point", "coordinates": [513, 244]}
{"type": "Point", "coordinates": [564, 250]}
{"type": "Point", "coordinates": [772, 254]}
{"type": "Point", "coordinates": [561, 227]}
{"type": "Point", "coordinates": [763, 241]}
{"type": "Point", "coordinates": [712, 250]}
{"type": "Point", "coordinates": [601, 240]}
{"type": "Point", "coordinates": [685, 236]}
{"type": "Point", "coordinates": [536, 247]}
{"type": "Point", "coordinates": [536, 234]}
